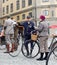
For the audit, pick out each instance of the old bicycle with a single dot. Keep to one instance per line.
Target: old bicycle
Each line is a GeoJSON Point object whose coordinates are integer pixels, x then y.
{"type": "Point", "coordinates": [53, 43]}
{"type": "Point", "coordinates": [21, 47]}
{"type": "Point", "coordinates": [35, 49]}
{"type": "Point", "coordinates": [52, 59]}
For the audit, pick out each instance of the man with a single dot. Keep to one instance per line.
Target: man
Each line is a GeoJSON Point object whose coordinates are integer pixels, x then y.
{"type": "Point", "coordinates": [28, 27]}
{"type": "Point", "coordinates": [9, 33]}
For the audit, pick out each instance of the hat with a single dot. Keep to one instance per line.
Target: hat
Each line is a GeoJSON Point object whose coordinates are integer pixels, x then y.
{"type": "Point", "coordinates": [28, 17]}
{"type": "Point", "coordinates": [42, 17]}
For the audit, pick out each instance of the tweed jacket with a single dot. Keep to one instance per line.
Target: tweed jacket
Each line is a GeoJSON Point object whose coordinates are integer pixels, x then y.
{"type": "Point", "coordinates": [43, 28]}
{"type": "Point", "coordinates": [9, 26]}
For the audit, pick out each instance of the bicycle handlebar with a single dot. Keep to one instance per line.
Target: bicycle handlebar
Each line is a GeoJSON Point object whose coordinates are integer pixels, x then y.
{"type": "Point", "coordinates": [34, 32]}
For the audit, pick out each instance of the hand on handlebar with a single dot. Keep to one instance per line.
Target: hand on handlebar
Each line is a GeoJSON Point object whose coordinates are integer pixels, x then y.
{"type": "Point", "coordinates": [34, 32]}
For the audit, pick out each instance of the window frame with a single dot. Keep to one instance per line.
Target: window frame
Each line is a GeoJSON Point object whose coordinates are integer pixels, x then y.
{"type": "Point", "coordinates": [7, 9]}
{"type": "Point", "coordinates": [29, 2]}
{"type": "Point", "coordinates": [3, 10]}
{"type": "Point", "coordinates": [23, 3]}
{"type": "Point", "coordinates": [30, 14]}
{"type": "Point", "coordinates": [17, 4]}
{"type": "Point", "coordinates": [52, 13]}
{"type": "Point", "coordinates": [46, 12]}
{"type": "Point", "coordinates": [3, 1]}
{"type": "Point", "coordinates": [18, 17]}
{"type": "Point", "coordinates": [11, 7]}
{"type": "Point", "coordinates": [23, 16]}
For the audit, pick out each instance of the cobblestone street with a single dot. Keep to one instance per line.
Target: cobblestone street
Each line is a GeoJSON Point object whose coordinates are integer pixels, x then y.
{"type": "Point", "coordinates": [6, 59]}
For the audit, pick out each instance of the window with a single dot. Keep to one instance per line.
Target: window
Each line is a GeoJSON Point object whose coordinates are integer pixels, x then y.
{"type": "Point", "coordinates": [23, 16]}
{"type": "Point", "coordinates": [7, 9]}
{"type": "Point", "coordinates": [30, 14]}
{"type": "Point", "coordinates": [23, 3]}
{"type": "Point", "coordinates": [17, 4]}
{"type": "Point", "coordinates": [45, 0]}
{"type": "Point", "coordinates": [46, 12]}
{"type": "Point", "coordinates": [18, 18]}
{"type": "Point", "coordinates": [3, 10]}
{"type": "Point", "coordinates": [3, 1]}
{"type": "Point", "coordinates": [52, 13]}
{"type": "Point", "coordinates": [11, 7]}
{"type": "Point", "coordinates": [29, 2]}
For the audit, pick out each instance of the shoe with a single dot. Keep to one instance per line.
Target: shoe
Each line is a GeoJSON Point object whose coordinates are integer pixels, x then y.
{"type": "Point", "coordinates": [27, 53]}
{"type": "Point", "coordinates": [46, 55]}
{"type": "Point", "coordinates": [40, 59]}
{"type": "Point", "coordinates": [41, 56]}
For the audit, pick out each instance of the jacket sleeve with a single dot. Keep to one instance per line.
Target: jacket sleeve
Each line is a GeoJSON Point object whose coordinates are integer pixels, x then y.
{"type": "Point", "coordinates": [33, 26]}
{"type": "Point", "coordinates": [40, 27]}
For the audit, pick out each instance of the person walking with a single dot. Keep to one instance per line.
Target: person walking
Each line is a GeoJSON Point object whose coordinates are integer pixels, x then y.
{"type": "Point", "coordinates": [43, 37]}
{"type": "Point", "coordinates": [9, 34]}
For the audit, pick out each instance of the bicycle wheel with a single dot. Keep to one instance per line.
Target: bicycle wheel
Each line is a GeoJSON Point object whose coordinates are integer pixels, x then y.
{"type": "Point", "coordinates": [52, 59]}
{"type": "Point", "coordinates": [35, 49]}
{"type": "Point", "coordinates": [18, 50]}
{"type": "Point", "coordinates": [53, 46]}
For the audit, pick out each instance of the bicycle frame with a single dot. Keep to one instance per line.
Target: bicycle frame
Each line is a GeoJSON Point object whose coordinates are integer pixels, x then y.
{"type": "Point", "coordinates": [54, 37]}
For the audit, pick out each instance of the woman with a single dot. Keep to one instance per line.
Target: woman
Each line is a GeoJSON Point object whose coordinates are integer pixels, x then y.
{"type": "Point", "coordinates": [43, 33]}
